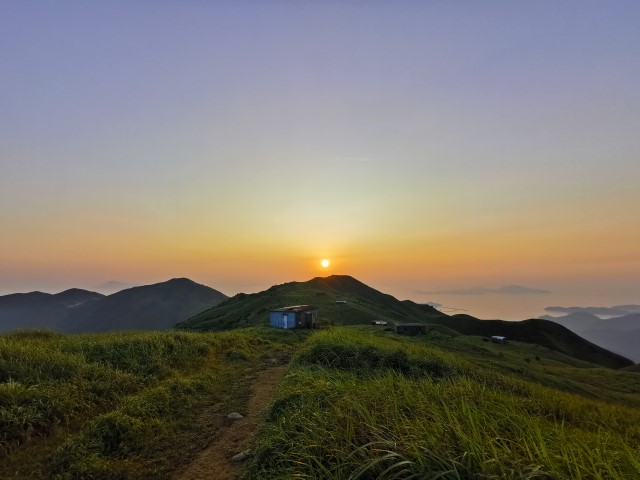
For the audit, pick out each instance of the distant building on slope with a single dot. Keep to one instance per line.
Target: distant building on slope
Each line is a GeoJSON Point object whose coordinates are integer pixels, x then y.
{"type": "Point", "coordinates": [409, 328]}
{"type": "Point", "coordinates": [499, 339]}
{"type": "Point", "coordinates": [297, 316]}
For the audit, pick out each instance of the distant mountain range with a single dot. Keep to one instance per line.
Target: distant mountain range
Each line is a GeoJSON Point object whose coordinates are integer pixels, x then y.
{"type": "Point", "coordinates": [615, 311]}
{"type": "Point", "coordinates": [619, 334]}
{"type": "Point", "coordinates": [151, 307]}
{"type": "Point", "coordinates": [343, 300]}
{"type": "Point", "coordinates": [38, 309]}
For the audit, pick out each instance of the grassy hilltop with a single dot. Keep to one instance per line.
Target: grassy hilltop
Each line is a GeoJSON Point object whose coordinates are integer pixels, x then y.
{"type": "Point", "coordinates": [365, 304]}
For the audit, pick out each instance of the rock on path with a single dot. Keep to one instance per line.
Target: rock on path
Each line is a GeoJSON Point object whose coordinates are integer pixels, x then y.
{"type": "Point", "coordinates": [223, 458]}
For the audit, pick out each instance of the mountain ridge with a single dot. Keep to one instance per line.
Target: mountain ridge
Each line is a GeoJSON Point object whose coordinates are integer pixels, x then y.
{"type": "Point", "coordinates": [157, 306]}
{"type": "Point", "coordinates": [252, 309]}
{"type": "Point", "coordinates": [344, 300]}
{"type": "Point", "coordinates": [619, 334]}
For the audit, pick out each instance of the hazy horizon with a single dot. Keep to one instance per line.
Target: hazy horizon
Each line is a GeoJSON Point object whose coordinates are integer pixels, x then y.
{"type": "Point", "coordinates": [420, 146]}
{"type": "Point", "coordinates": [488, 306]}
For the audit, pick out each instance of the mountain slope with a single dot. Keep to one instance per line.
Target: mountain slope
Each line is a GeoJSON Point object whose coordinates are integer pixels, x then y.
{"type": "Point", "coordinates": [38, 309]}
{"type": "Point", "coordinates": [619, 334]}
{"type": "Point", "coordinates": [626, 323]}
{"type": "Point", "coordinates": [151, 307]}
{"type": "Point", "coordinates": [574, 321]}
{"type": "Point", "coordinates": [363, 403]}
{"type": "Point", "coordinates": [363, 305]}
{"type": "Point", "coordinates": [633, 368]}
{"type": "Point", "coordinates": [624, 342]}
{"type": "Point", "coordinates": [541, 332]}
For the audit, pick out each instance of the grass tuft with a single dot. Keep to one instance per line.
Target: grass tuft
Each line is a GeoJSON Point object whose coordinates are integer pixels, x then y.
{"type": "Point", "coordinates": [118, 405]}
{"type": "Point", "coordinates": [354, 408]}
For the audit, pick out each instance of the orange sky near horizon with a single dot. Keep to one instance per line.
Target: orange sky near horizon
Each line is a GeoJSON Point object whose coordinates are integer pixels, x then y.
{"type": "Point", "coordinates": [418, 146]}
{"type": "Point", "coordinates": [446, 243]}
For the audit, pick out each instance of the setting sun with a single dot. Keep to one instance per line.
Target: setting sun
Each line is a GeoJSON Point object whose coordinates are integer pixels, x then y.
{"type": "Point", "coordinates": [325, 263]}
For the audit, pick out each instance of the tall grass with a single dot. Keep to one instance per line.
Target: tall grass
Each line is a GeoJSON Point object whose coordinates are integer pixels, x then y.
{"type": "Point", "coordinates": [355, 408]}
{"type": "Point", "coordinates": [128, 404]}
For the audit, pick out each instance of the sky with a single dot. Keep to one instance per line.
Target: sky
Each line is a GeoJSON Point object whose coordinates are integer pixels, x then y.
{"type": "Point", "coordinates": [420, 146]}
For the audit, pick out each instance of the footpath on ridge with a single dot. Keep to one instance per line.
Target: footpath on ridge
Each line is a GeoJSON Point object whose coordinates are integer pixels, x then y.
{"type": "Point", "coordinates": [216, 461]}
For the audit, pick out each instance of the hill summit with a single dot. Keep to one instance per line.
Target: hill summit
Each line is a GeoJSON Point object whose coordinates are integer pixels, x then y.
{"type": "Point", "coordinates": [344, 300]}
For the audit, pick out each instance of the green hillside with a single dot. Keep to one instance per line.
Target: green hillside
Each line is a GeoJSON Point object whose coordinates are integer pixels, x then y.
{"type": "Point", "coordinates": [357, 402]}
{"type": "Point", "coordinates": [373, 405]}
{"type": "Point", "coordinates": [541, 332]}
{"type": "Point", "coordinates": [121, 405]}
{"type": "Point", "coordinates": [365, 304]}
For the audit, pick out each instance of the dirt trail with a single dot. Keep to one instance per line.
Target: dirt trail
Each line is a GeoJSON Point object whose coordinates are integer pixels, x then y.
{"type": "Point", "coordinates": [214, 462]}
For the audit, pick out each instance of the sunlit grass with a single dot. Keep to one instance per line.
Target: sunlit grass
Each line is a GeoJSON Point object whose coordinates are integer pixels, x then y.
{"type": "Point", "coordinates": [119, 405]}
{"type": "Point", "coordinates": [358, 403]}
{"type": "Point", "coordinates": [362, 406]}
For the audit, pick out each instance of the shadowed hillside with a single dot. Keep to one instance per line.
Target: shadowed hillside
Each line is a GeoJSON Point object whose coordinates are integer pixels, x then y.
{"type": "Point", "coordinates": [574, 321]}
{"type": "Point", "coordinates": [151, 307]}
{"type": "Point", "coordinates": [38, 309]}
{"type": "Point", "coordinates": [541, 332]}
{"type": "Point", "coordinates": [619, 334]}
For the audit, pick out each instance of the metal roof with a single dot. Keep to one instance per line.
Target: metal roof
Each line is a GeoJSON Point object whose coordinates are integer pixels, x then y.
{"type": "Point", "coordinates": [295, 308]}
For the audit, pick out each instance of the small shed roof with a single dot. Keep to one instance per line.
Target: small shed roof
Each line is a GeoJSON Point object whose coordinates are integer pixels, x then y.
{"type": "Point", "coordinates": [295, 308]}
{"type": "Point", "coordinates": [410, 325]}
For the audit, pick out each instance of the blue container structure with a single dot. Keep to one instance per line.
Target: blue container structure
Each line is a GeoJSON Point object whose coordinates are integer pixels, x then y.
{"type": "Point", "coordinates": [297, 316]}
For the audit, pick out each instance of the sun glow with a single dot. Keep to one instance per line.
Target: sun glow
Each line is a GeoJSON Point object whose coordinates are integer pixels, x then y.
{"type": "Point", "coordinates": [325, 263]}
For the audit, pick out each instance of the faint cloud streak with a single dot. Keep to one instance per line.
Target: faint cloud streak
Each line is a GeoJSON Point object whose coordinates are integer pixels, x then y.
{"type": "Point", "coordinates": [506, 290]}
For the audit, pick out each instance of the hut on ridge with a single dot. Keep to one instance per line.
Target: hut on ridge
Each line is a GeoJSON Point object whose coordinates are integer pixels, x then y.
{"type": "Point", "coordinates": [296, 316]}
